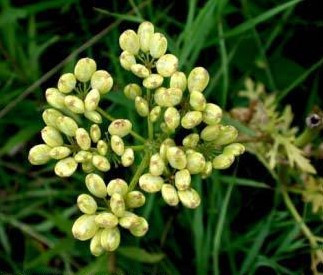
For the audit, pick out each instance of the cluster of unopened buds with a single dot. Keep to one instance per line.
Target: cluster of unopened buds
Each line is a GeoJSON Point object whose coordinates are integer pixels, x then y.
{"type": "Point", "coordinates": [185, 138]}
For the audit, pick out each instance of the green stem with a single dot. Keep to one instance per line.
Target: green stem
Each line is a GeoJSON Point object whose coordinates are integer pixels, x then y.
{"type": "Point", "coordinates": [306, 137]}
{"type": "Point", "coordinates": [137, 147]}
{"type": "Point", "coordinates": [139, 171]}
{"type": "Point", "coordinates": [150, 124]}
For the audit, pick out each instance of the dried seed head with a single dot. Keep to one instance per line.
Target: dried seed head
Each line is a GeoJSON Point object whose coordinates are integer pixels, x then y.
{"type": "Point", "coordinates": [84, 69]}
{"type": "Point", "coordinates": [95, 184]}
{"type": "Point", "coordinates": [117, 186]}
{"type": "Point", "coordinates": [86, 204]}
{"type": "Point", "coordinates": [154, 113]}
{"type": "Point", "coordinates": [95, 133]}
{"type": "Point", "coordinates": [227, 134]}
{"type": "Point", "coordinates": [66, 83]}
{"type": "Point", "coordinates": [74, 104]}
{"type": "Point", "coordinates": [169, 194]}
{"type": "Point", "coordinates": [127, 60]}
{"type": "Point", "coordinates": [50, 116]}
{"type": "Point", "coordinates": [210, 132]}
{"type": "Point", "coordinates": [94, 116]}
{"type": "Point", "coordinates": [212, 114]}
{"type": "Point", "coordinates": [101, 163]}
{"type": "Point", "coordinates": [84, 228]}
{"type": "Point", "coordinates": [106, 220]}
{"type": "Point", "coordinates": [150, 183]}
{"type": "Point", "coordinates": [117, 204]}
{"type": "Point", "coordinates": [189, 198]}
{"type": "Point", "coordinates": [140, 228]}
{"type": "Point", "coordinates": [102, 147]}
{"type": "Point", "coordinates": [197, 101]}
{"type": "Point", "coordinates": [39, 154]}
{"type": "Point", "coordinates": [167, 65]}
{"type": "Point", "coordinates": [117, 145]}
{"type": "Point", "coordinates": [191, 119]}
{"type": "Point", "coordinates": [120, 127]}
{"type": "Point", "coordinates": [195, 162]}
{"type": "Point", "coordinates": [176, 157]}
{"type": "Point", "coordinates": [139, 70]}
{"type": "Point", "coordinates": [128, 220]}
{"type": "Point", "coordinates": [128, 157]}
{"type": "Point", "coordinates": [65, 167]}
{"type": "Point", "coordinates": [191, 140]}
{"type": "Point", "coordinates": [92, 100]}
{"type": "Point", "coordinates": [145, 34]}
{"type": "Point", "coordinates": [102, 81]}
{"type": "Point", "coordinates": [67, 125]}
{"type": "Point", "coordinates": [153, 81]}
{"type": "Point", "coordinates": [83, 139]}
{"type": "Point", "coordinates": [141, 106]}
{"type": "Point", "coordinates": [51, 136]}
{"type": "Point", "coordinates": [129, 42]}
{"type": "Point", "coordinates": [198, 79]}
{"type": "Point", "coordinates": [158, 45]}
{"type": "Point", "coordinates": [168, 142]}
{"type": "Point", "coordinates": [132, 90]}
{"type": "Point", "coordinates": [83, 156]}
{"type": "Point", "coordinates": [60, 152]}
{"type": "Point", "coordinates": [178, 80]}
{"type": "Point", "coordinates": [156, 165]}
{"type": "Point", "coordinates": [234, 149]}
{"type": "Point", "coordinates": [222, 161]}
{"type": "Point", "coordinates": [55, 98]}
{"type": "Point", "coordinates": [172, 118]}
{"type": "Point", "coordinates": [182, 179]}
{"type": "Point", "coordinates": [110, 238]}
{"type": "Point", "coordinates": [207, 170]}
{"type": "Point", "coordinates": [135, 199]}
{"type": "Point", "coordinates": [95, 244]}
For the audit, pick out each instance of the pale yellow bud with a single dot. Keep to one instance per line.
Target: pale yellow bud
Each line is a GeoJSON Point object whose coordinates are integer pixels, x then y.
{"type": "Point", "coordinates": [83, 156]}
{"type": "Point", "coordinates": [66, 83]}
{"type": "Point", "coordinates": [83, 139]}
{"type": "Point", "coordinates": [191, 140]}
{"type": "Point", "coordinates": [92, 100]}
{"type": "Point", "coordinates": [207, 170]}
{"type": "Point", "coordinates": [101, 163]}
{"type": "Point", "coordinates": [141, 106]}
{"type": "Point", "coordinates": [197, 101]}
{"type": "Point", "coordinates": [178, 80]}
{"type": "Point", "coordinates": [168, 142]}
{"type": "Point", "coordinates": [167, 65]}
{"type": "Point", "coordinates": [154, 113]}
{"type": "Point", "coordinates": [94, 116]}
{"type": "Point", "coordinates": [86, 204]}
{"type": "Point", "coordinates": [139, 70]}
{"type": "Point", "coordinates": [153, 81]}
{"type": "Point", "coordinates": [176, 157]}
{"type": "Point", "coordinates": [156, 165]}
{"type": "Point", "coordinates": [117, 204]}
{"type": "Point", "coordinates": [55, 98]}
{"type": "Point", "coordinates": [117, 145]}
{"type": "Point", "coordinates": [39, 154]}
{"type": "Point", "coordinates": [145, 34]}
{"type": "Point", "coordinates": [169, 194]}
{"type": "Point", "coordinates": [106, 220]}
{"type": "Point", "coordinates": [198, 79]}
{"type": "Point", "coordinates": [168, 97]}
{"type": "Point", "coordinates": [65, 167]}
{"type": "Point", "coordinates": [195, 162]}
{"type": "Point", "coordinates": [67, 125]}
{"type": "Point", "coordinates": [87, 167]}
{"type": "Point", "coordinates": [102, 147]}
{"type": "Point", "coordinates": [228, 134]}
{"type": "Point", "coordinates": [127, 60]}
{"type": "Point", "coordinates": [172, 118]}
{"type": "Point", "coordinates": [182, 179]}
{"type": "Point", "coordinates": [222, 161]}
{"type": "Point", "coordinates": [95, 133]}
{"type": "Point", "coordinates": [163, 126]}
{"type": "Point", "coordinates": [128, 157]}
{"type": "Point", "coordinates": [129, 220]}
{"type": "Point", "coordinates": [150, 183]}
{"type": "Point", "coordinates": [234, 149]}
{"type": "Point", "coordinates": [135, 199]}
{"type": "Point", "coordinates": [102, 81]}
{"type": "Point", "coordinates": [95, 244]}
{"type": "Point", "coordinates": [84, 69]}
{"type": "Point", "coordinates": [50, 116]}
{"type": "Point", "coordinates": [132, 90]}
{"type": "Point", "coordinates": [191, 119]}
{"type": "Point", "coordinates": [110, 238]}
{"type": "Point", "coordinates": [60, 152]}
{"type": "Point", "coordinates": [212, 114]}
{"type": "Point", "coordinates": [120, 127]}
{"type": "Point", "coordinates": [210, 132]}
{"type": "Point", "coordinates": [129, 42]}
{"type": "Point", "coordinates": [158, 45]}
{"type": "Point", "coordinates": [140, 228]}
{"type": "Point", "coordinates": [95, 184]}
{"type": "Point", "coordinates": [51, 136]}
{"type": "Point", "coordinates": [189, 198]}
{"type": "Point", "coordinates": [117, 186]}
{"type": "Point", "coordinates": [74, 104]}
{"type": "Point", "coordinates": [84, 228]}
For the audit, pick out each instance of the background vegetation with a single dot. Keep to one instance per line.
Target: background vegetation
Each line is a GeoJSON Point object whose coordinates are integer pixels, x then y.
{"type": "Point", "coordinates": [246, 230]}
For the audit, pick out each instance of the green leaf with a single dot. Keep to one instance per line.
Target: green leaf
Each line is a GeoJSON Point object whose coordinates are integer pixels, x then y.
{"type": "Point", "coordinates": [140, 255]}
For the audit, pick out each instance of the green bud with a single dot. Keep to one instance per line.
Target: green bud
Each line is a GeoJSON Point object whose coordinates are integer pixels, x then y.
{"type": "Point", "coordinates": [197, 101]}
{"type": "Point", "coordinates": [222, 161]}
{"type": "Point", "coordinates": [182, 179]}
{"type": "Point", "coordinates": [140, 228]}
{"type": "Point", "coordinates": [67, 125]}
{"type": "Point", "coordinates": [129, 220]}
{"type": "Point", "coordinates": [210, 132]}
{"type": "Point", "coordinates": [84, 228]}
{"type": "Point", "coordinates": [127, 60]}
{"type": "Point", "coordinates": [102, 147]}
{"type": "Point", "coordinates": [167, 65]}
{"type": "Point", "coordinates": [110, 238]}
{"type": "Point", "coordinates": [168, 97]}
{"type": "Point", "coordinates": [172, 118]}
{"type": "Point", "coordinates": [128, 157]}
{"type": "Point", "coordinates": [154, 113]}
{"type": "Point", "coordinates": [55, 98]}
{"type": "Point", "coordinates": [207, 170]}
{"type": "Point", "coordinates": [120, 127]}
{"type": "Point", "coordinates": [168, 142]}
{"type": "Point", "coordinates": [95, 184]}
{"type": "Point", "coordinates": [135, 199]}
{"type": "Point", "coordinates": [117, 145]}
{"type": "Point", "coordinates": [145, 34]}
{"type": "Point", "coordinates": [74, 104]}
{"type": "Point", "coordinates": [83, 156]}
{"type": "Point", "coordinates": [94, 116]}
{"type": "Point", "coordinates": [195, 162]}
{"type": "Point", "coordinates": [66, 83]}
{"type": "Point", "coordinates": [132, 90]}
{"type": "Point", "coordinates": [153, 81]}
{"type": "Point", "coordinates": [39, 154]}
{"type": "Point", "coordinates": [176, 157]}
{"type": "Point", "coordinates": [191, 119]}
{"type": "Point", "coordinates": [191, 140]}
{"type": "Point", "coordinates": [83, 139]}
{"type": "Point", "coordinates": [178, 80]}
{"type": "Point", "coordinates": [212, 114]}
{"type": "Point", "coordinates": [84, 69]}
{"type": "Point", "coordinates": [139, 70]}
{"type": "Point", "coordinates": [234, 149]}
{"type": "Point", "coordinates": [101, 163]}
{"type": "Point", "coordinates": [65, 167]}
{"type": "Point", "coordinates": [189, 198]}
{"type": "Point", "coordinates": [142, 106]}
{"type": "Point", "coordinates": [156, 165]}
{"type": "Point", "coordinates": [102, 81]}
{"type": "Point", "coordinates": [228, 134]}
{"type": "Point", "coordinates": [92, 100]}
{"type": "Point", "coordinates": [129, 41]}
{"type": "Point", "coordinates": [95, 244]}
{"type": "Point", "coordinates": [95, 133]}
{"type": "Point", "coordinates": [169, 194]}
{"type": "Point", "coordinates": [60, 152]}
{"type": "Point", "coordinates": [117, 204]}
{"type": "Point", "coordinates": [87, 167]}
{"type": "Point", "coordinates": [163, 126]}
{"type": "Point", "coordinates": [158, 45]}
{"type": "Point", "coordinates": [50, 116]}
{"type": "Point", "coordinates": [51, 136]}
{"type": "Point", "coordinates": [150, 183]}
{"type": "Point", "coordinates": [106, 220]}
{"type": "Point", "coordinates": [117, 186]}
{"type": "Point", "coordinates": [86, 204]}
{"type": "Point", "coordinates": [198, 79]}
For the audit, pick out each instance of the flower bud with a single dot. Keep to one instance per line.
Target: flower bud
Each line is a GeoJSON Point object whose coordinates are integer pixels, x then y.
{"type": "Point", "coordinates": [139, 70]}
{"type": "Point", "coordinates": [55, 98]}
{"type": "Point", "coordinates": [169, 194]}
{"type": "Point", "coordinates": [95, 244]}
{"type": "Point", "coordinates": [172, 118]}
{"type": "Point", "coordinates": [129, 220]}
{"type": "Point", "coordinates": [117, 186]}
{"type": "Point", "coordinates": [65, 167]}
{"type": "Point", "coordinates": [195, 162]}
{"type": "Point", "coordinates": [87, 167]}
{"type": "Point", "coordinates": [182, 179]}
{"type": "Point", "coordinates": [158, 45]}
{"type": "Point", "coordinates": [234, 149]}
{"type": "Point", "coordinates": [83, 156]}
{"type": "Point", "coordinates": [156, 165]}
{"type": "Point", "coordinates": [67, 125]}
{"type": "Point", "coordinates": [84, 228]}
{"type": "Point", "coordinates": [83, 139]}
{"type": "Point", "coordinates": [168, 142]}
{"type": "Point", "coordinates": [167, 65]}
{"type": "Point", "coordinates": [176, 157]}
{"type": "Point", "coordinates": [178, 80]}
{"type": "Point", "coordinates": [135, 199]}
{"type": "Point", "coordinates": [117, 145]}
{"type": "Point", "coordinates": [117, 204]}
{"type": "Point", "coordinates": [227, 135]}
{"type": "Point", "coordinates": [212, 114]}
{"type": "Point", "coordinates": [102, 147]}
{"type": "Point", "coordinates": [66, 83]}
{"type": "Point", "coordinates": [106, 220]}
{"type": "Point", "coordinates": [39, 154]}
{"type": "Point", "coordinates": [120, 127]}
{"type": "Point", "coordinates": [74, 104]}
{"type": "Point", "coordinates": [102, 81]}
{"type": "Point", "coordinates": [128, 157]}
{"type": "Point", "coordinates": [94, 116]}
{"type": "Point", "coordinates": [60, 152]}
{"type": "Point", "coordinates": [95, 184]}
{"type": "Point", "coordinates": [191, 119]}
{"type": "Point", "coordinates": [84, 69]}
{"type": "Point", "coordinates": [153, 81]}
{"type": "Point", "coordinates": [207, 170]}
{"type": "Point", "coordinates": [92, 100]}
{"type": "Point", "coordinates": [145, 34]}
{"type": "Point", "coordinates": [129, 41]}
{"type": "Point", "coordinates": [51, 136]}
{"type": "Point", "coordinates": [86, 204]}
{"type": "Point", "coordinates": [168, 97]}
{"type": "Point", "coordinates": [222, 161]}
{"type": "Point", "coordinates": [189, 198]}
{"type": "Point", "coordinates": [198, 79]}
{"type": "Point", "coordinates": [95, 133]}
{"type": "Point", "coordinates": [132, 90]}
{"type": "Point", "coordinates": [110, 238]}
{"type": "Point", "coordinates": [210, 132]}
{"type": "Point", "coordinates": [140, 228]}
{"type": "Point", "coordinates": [163, 126]}
{"type": "Point", "coordinates": [154, 113]}
{"type": "Point", "coordinates": [150, 183]}
{"type": "Point", "coordinates": [127, 60]}
{"type": "Point", "coordinates": [101, 163]}
{"type": "Point", "coordinates": [197, 101]}
{"type": "Point", "coordinates": [191, 140]}
{"type": "Point", "coordinates": [50, 116]}
{"type": "Point", "coordinates": [141, 106]}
